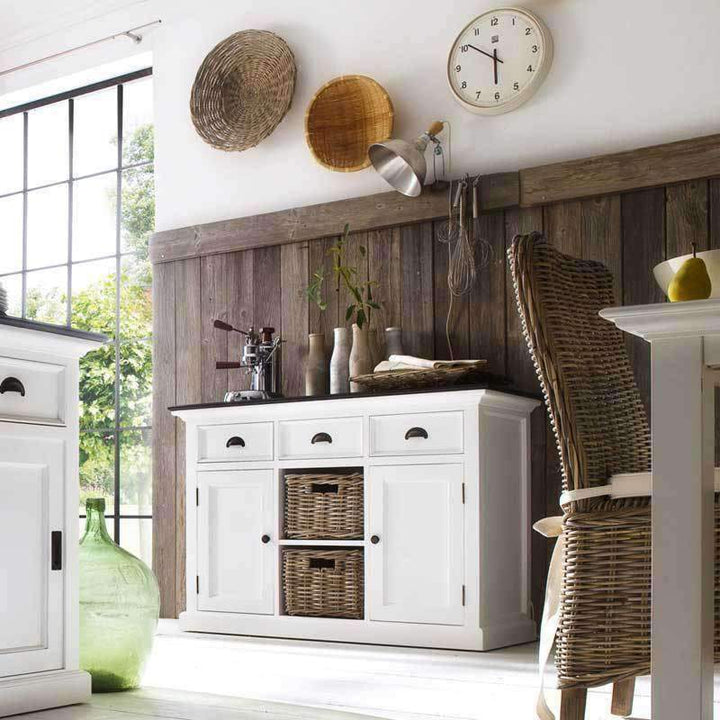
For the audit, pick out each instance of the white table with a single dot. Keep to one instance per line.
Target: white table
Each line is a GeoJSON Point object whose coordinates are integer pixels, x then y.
{"type": "Point", "coordinates": [685, 347]}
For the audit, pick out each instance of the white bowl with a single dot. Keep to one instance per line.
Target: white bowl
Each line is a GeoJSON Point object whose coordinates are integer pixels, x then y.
{"type": "Point", "coordinates": [665, 271]}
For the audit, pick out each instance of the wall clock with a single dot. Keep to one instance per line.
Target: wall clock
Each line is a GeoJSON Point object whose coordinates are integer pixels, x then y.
{"type": "Point", "coordinates": [499, 60]}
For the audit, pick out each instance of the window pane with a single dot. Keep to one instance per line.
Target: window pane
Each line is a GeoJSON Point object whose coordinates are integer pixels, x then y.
{"type": "Point", "coordinates": [136, 538]}
{"type": "Point", "coordinates": [47, 224]}
{"type": "Point", "coordinates": [97, 469]}
{"type": "Point", "coordinates": [135, 383]}
{"type": "Point", "coordinates": [135, 298]}
{"type": "Point", "coordinates": [137, 121]}
{"type": "Point", "coordinates": [11, 152]}
{"type": "Point", "coordinates": [135, 472]}
{"type": "Point", "coordinates": [95, 132]}
{"type": "Point", "coordinates": [46, 296]}
{"type": "Point", "coordinates": [48, 144]}
{"type": "Point", "coordinates": [138, 209]}
{"type": "Point", "coordinates": [94, 296]}
{"type": "Point", "coordinates": [11, 220]}
{"type": "Point", "coordinates": [94, 217]}
{"type": "Point", "coordinates": [13, 285]}
{"type": "Point", "coordinates": [97, 389]}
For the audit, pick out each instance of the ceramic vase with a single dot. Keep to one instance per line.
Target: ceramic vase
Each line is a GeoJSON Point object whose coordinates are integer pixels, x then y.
{"type": "Point", "coordinates": [360, 360]}
{"type": "Point", "coordinates": [315, 368]}
{"type": "Point", "coordinates": [340, 362]}
{"type": "Point", "coordinates": [119, 607]}
{"type": "Point", "coordinates": [393, 342]}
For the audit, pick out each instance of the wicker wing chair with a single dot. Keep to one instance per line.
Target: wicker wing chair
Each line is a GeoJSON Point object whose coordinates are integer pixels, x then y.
{"type": "Point", "coordinates": [601, 430]}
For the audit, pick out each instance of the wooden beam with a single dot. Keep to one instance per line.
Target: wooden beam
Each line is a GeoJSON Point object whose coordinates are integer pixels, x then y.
{"type": "Point", "coordinates": [633, 170]}
{"type": "Point", "coordinates": [318, 221]}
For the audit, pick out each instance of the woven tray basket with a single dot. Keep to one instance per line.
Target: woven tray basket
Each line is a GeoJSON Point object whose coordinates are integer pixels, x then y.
{"type": "Point", "coordinates": [324, 506]}
{"type": "Point", "coordinates": [409, 379]}
{"type": "Point", "coordinates": [323, 583]}
{"type": "Point", "coordinates": [345, 117]}
{"type": "Point", "coordinates": [243, 90]}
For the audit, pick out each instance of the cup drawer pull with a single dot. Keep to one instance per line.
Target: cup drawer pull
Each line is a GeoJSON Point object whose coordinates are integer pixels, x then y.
{"type": "Point", "coordinates": [235, 441]}
{"type": "Point", "coordinates": [416, 432]}
{"type": "Point", "coordinates": [320, 437]}
{"type": "Point", "coordinates": [12, 384]}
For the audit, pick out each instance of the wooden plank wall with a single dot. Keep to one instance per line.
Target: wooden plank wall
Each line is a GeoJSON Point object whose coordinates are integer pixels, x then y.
{"type": "Point", "coordinates": [630, 232]}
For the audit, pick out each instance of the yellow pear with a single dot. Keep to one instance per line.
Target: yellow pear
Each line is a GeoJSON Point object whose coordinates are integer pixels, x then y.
{"type": "Point", "coordinates": [691, 281]}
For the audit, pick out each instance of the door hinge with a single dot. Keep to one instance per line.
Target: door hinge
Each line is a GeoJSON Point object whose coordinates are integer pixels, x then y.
{"type": "Point", "coordinates": [463, 493]}
{"type": "Point", "coordinates": [197, 584]}
{"type": "Point", "coordinates": [197, 496]}
{"type": "Point", "coordinates": [463, 595]}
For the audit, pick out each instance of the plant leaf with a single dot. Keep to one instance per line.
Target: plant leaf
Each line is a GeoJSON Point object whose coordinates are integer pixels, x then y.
{"type": "Point", "coordinates": [363, 250]}
{"type": "Point", "coordinates": [360, 317]}
{"type": "Point", "coordinates": [349, 312]}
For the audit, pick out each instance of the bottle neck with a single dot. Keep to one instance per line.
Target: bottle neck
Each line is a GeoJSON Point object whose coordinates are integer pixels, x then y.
{"type": "Point", "coordinates": [95, 525]}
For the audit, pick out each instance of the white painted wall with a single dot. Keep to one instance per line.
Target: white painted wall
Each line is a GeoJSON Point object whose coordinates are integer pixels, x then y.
{"type": "Point", "coordinates": [626, 74]}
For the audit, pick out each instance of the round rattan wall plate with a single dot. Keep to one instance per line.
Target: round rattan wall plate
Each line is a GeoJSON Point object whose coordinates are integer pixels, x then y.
{"type": "Point", "coordinates": [345, 117]}
{"type": "Point", "coordinates": [243, 90]}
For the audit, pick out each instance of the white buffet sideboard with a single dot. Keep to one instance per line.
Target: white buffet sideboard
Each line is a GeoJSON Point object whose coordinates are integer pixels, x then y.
{"type": "Point", "coordinates": [39, 516]}
{"type": "Point", "coordinates": [446, 529]}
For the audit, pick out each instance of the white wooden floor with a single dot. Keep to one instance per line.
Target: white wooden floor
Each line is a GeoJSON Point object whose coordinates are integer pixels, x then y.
{"type": "Point", "coordinates": [217, 677]}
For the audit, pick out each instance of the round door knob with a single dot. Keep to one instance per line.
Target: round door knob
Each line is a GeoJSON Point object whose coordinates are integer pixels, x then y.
{"type": "Point", "coordinates": [374, 539]}
{"type": "Point", "coordinates": [265, 539]}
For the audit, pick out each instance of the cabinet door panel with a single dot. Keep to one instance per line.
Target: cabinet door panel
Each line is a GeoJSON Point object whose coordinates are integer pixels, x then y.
{"type": "Point", "coordinates": [236, 568]}
{"type": "Point", "coordinates": [31, 593]}
{"type": "Point", "coordinates": [416, 568]}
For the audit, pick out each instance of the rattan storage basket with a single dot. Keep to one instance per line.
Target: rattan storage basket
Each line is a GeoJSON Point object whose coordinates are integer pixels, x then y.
{"type": "Point", "coordinates": [243, 90]}
{"type": "Point", "coordinates": [345, 117]}
{"type": "Point", "coordinates": [324, 506]}
{"type": "Point", "coordinates": [323, 583]}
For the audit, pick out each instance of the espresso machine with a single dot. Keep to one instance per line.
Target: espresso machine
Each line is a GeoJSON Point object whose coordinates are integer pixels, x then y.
{"type": "Point", "coordinates": [260, 359]}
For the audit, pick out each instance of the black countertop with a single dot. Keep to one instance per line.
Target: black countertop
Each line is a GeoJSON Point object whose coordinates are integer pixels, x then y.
{"type": "Point", "coordinates": [490, 385]}
{"type": "Point", "coordinates": [54, 329]}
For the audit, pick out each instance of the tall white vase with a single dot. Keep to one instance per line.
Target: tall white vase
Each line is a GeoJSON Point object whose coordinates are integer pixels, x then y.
{"type": "Point", "coordinates": [340, 362]}
{"type": "Point", "coordinates": [315, 368]}
{"type": "Point", "coordinates": [393, 342]}
{"type": "Point", "coordinates": [360, 360]}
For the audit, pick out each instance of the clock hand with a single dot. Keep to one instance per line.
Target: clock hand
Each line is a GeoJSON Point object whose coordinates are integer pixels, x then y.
{"type": "Point", "coordinates": [495, 64]}
{"type": "Point", "coordinates": [492, 57]}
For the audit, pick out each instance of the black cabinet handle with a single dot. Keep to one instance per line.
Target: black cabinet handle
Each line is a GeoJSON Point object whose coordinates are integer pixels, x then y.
{"type": "Point", "coordinates": [235, 441]}
{"type": "Point", "coordinates": [12, 384]}
{"type": "Point", "coordinates": [265, 539]}
{"type": "Point", "coordinates": [374, 539]}
{"type": "Point", "coordinates": [416, 432]}
{"type": "Point", "coordinates": [56, 550]}
{"type": "Point", "coordinates": [321, 437]}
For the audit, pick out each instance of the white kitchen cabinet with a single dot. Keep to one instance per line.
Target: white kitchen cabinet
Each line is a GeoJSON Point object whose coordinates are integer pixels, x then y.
{"type": "Point", "coordinates": [415, 557]}
{"type": "Point", "coordinates": [38, 516]}
{"type": "Point", "coordinates": [236, 559]}
{"type": "Point", "coordinates": [446, 516]}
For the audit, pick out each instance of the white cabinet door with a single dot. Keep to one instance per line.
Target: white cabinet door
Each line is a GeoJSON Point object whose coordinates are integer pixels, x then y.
{"type": "Point", "coordinates": [31, 554]}
{"type": "Point", "coordinates": [416, 552]}
{"type": "Point", "coordinates": [236, 543]}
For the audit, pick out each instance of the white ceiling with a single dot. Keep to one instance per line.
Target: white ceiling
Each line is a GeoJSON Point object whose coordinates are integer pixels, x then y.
{"type": "Point", "coordinates": [27, 20]}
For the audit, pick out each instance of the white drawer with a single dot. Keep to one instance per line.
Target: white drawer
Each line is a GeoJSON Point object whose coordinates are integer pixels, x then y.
{"type": "Point", "coordinates": [32, 392]}
{"type": "Point", "coordinates": [229, 443]}
{"type": "Point", "coordinates": [323, 438]}
{"type": "Point", "coordinates": [417, 434]}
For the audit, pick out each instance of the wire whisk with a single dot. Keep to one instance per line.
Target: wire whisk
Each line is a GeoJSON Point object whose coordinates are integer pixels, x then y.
{"type": "Point", "coordinates": [461, 266]}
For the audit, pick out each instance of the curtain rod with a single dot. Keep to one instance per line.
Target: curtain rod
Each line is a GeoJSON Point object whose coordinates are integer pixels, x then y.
{"type": "Point", "coordinates": [131, 33]}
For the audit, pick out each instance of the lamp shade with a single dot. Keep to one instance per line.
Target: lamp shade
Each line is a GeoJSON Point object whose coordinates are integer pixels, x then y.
{"type": "Point", "coordinates": [401, 163]}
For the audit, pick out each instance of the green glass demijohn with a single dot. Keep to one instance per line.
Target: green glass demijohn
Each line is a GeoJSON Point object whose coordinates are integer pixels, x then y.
{"type": "Point", "coordinates": [119, 607]}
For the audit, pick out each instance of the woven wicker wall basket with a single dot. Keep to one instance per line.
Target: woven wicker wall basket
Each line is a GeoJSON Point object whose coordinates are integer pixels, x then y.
{"type": "Point", "coordinates": [243, 89]}
{"type": "Point", "coordinates": [344, 118]}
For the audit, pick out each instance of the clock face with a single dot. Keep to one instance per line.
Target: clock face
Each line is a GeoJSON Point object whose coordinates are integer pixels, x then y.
{"type": "Point", "coordinates": [499, 60]}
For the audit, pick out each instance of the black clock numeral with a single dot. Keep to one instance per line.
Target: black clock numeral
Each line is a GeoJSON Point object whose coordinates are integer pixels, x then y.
{"type": "Point", "coordinates": [458, 68]}
{"type": "Point", "coordinates": [528, 31]}
{"type": "Point", "coordinates": [464, 48]}
{"type": "Point", "coordinates": [493, 22]}
{"type": "Point", "coordinates": [463, 84]}
{"type": "Point", "coordinates": [497, 95]}
{"type": "Point", "coordinates": [530, 68]}
{"type": "Point", "coordinates": [477, 31]}
{"type": "Point", "coordinates": [477, 94]}
{"type": "Point", "coordinates": [534, 48]}
{"type": "Point", "coordinates": [513, 21]}
{"type": "Point", "coordinates": [516, 86]}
